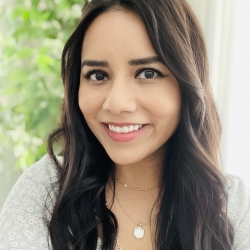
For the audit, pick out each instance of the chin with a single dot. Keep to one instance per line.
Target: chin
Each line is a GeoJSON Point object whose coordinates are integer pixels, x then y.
{"type": "Point", "coordinates": [123, 159]}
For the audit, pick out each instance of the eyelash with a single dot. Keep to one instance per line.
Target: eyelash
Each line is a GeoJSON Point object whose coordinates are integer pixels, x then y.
{"type": "Point", "coordinates": [94, 71]}
{"type": "Point", "coordinates": [159, 74]}
{"type": "Point", "coordinates": [138, 72]}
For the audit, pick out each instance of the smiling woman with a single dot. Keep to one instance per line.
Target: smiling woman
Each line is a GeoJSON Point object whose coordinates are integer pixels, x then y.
{"type": "Point", "coordinates": [140, 133]}
{"type": "Point", "coordinates": [124, 86]}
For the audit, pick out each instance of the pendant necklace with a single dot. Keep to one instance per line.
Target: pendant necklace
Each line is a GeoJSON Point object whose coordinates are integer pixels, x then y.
{"type": "Point", "coordinates": [138, 231]}
{"type": "Point", "coordinates": [169, 223]}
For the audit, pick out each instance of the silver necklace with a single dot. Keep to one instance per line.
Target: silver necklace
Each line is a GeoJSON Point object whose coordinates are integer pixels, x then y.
{"type": "Point", "coordinates": [138, 231]}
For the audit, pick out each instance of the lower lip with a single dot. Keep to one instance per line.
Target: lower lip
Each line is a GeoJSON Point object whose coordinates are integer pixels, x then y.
{"type": "Point", "coordinates": [124, 137]}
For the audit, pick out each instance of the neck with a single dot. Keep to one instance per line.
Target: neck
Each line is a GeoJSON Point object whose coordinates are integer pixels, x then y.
{"type": "Point", "coordinates": [142, 175]}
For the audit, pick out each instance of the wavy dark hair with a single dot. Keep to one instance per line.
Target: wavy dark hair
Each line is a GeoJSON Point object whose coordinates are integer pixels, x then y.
{"type": "Point", "coordinates": [191, 180]}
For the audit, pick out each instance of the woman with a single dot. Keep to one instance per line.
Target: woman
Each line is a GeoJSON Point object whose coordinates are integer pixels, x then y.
{"type": "Point", "coordinates": [140, 136]}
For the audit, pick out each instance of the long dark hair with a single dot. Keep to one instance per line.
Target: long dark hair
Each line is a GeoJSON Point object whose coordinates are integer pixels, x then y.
{"type": "Point", "coordinates": [192, 184]}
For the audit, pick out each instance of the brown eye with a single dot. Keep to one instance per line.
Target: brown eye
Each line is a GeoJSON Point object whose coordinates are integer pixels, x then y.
{"type": "Point", "coordinates": [148, 74]}
{"type": "Point", "coordinates": [96, 75]}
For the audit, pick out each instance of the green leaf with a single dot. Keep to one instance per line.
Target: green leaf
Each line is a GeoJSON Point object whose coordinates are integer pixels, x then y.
{"type": "Point", "coordinates": [26, 15]}
{"type": "Point", "coordinates": [31, 90]}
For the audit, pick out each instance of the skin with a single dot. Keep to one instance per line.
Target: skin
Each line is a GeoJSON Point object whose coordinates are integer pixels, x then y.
{"type": "Point", "coordinates": [122, 95]}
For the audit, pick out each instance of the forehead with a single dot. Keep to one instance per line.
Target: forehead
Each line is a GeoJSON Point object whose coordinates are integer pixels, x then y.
{"type": "Point", "coordinates": [117, 32]}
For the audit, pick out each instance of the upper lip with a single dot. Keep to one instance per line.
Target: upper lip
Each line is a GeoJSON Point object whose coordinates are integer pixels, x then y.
{"type": "Point", "coordinates": [121, 124]}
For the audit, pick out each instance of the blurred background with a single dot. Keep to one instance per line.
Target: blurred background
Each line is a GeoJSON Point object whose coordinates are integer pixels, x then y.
{"type": "Point", "coordinates": [32, 35]}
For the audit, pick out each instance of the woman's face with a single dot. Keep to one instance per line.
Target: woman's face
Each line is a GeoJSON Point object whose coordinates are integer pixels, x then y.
{"type": "Point", "coordinates": [129, 99]}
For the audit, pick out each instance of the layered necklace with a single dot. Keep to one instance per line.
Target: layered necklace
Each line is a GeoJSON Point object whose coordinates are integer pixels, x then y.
{"type": "Point", "coordinates": [138, 232]}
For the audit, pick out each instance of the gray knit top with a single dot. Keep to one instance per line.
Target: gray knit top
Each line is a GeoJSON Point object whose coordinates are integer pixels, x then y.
{"type": "Point", "coordinates": [21, 219]}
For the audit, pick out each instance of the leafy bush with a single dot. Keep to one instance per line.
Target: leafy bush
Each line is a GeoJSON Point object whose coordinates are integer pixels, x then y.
{"type": "Point", "coordinates": [33, 33]}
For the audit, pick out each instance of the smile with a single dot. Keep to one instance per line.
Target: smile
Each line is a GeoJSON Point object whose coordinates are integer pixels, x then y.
{"type": "Point", "coordinates": [124, 129]}
{"type": "Point", "coordinates": [124, 132]}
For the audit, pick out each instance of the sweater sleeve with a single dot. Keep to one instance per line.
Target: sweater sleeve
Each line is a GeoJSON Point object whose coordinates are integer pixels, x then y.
{"type": "Point", "coordinates": [239, 212]}
{"type": "Point", "coordinates": [22, 223]}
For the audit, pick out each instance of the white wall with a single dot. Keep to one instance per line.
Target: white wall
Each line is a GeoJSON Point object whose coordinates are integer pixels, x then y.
{"type": "Point", "coordinates": [226, 25]}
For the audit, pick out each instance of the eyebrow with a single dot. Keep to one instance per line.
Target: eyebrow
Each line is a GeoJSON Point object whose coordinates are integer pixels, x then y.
{"type": "Point", "coordinates": [94, 63]}
{"type": "Point", "coordinates": [134, 62]}
{"type": "Point", "coordinates": [146, 60]}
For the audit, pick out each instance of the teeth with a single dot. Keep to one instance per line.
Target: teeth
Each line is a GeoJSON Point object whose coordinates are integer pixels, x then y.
{"type": "Point", "coordinates": [124, 129]}
{"type": "Point", "coordinates": [131, 128]}
{"type": "Point", "coordinates": [118, 129]}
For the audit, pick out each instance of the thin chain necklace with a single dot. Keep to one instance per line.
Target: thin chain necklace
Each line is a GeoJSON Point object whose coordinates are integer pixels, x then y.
{"type": "Point", "coordinates": [138, 231]}
{"type": "Point", "coordinates": [169, 223]}
{"type": "Point", "coordinates": [136, 189]}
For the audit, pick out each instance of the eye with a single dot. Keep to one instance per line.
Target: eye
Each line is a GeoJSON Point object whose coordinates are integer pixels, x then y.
{"type": "Point", "coordinates": [148, 73]}
{"type": "Point", "coordinates": [96, 75]}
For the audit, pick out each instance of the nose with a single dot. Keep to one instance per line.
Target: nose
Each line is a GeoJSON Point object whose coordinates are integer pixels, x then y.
{"type": "Point", "coordinates": [121, 98]}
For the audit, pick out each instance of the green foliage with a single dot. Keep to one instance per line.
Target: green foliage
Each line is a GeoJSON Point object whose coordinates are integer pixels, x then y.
{"type": "Point", "coordinates": [33, 33]}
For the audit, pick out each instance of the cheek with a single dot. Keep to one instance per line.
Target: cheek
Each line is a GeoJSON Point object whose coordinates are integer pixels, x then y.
{"type": "Point", "coordinates": [167, 109]}
{"type": "Point", "coordinates": [168, 120]}
{"type": "Point", "coordinates": [88, 102]}
{"type": "Point", "coordinates": [167, 104]}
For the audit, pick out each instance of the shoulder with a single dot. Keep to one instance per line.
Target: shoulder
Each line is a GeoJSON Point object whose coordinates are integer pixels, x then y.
{"type": "Point", "coordinates": [36, 181]}
{"type": "Point", "coordinates": [238, 194]}
{"type": "Point", "coordinates": [239, 210]}
{"type": "Point", "coordinates": [22, 216]}
{"type": "Point", "coordinates": [42, 172]}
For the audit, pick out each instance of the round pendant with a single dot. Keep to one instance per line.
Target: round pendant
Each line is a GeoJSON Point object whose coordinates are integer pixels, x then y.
{"type": "Point", "coordinates": [139, 233]}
